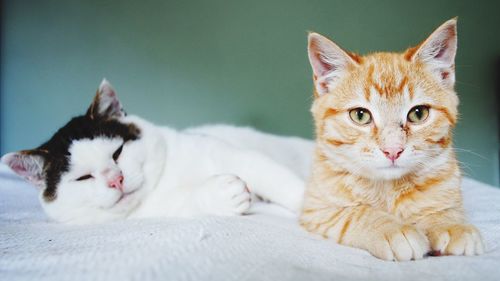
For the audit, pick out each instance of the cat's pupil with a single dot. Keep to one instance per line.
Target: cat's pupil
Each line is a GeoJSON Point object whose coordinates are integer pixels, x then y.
{"type": "Point", "coordinates": [117, 153]}
{"type": "Point", "coordinates": [361, 113]}
{"type": "Point", "coordinates": [418, 113]}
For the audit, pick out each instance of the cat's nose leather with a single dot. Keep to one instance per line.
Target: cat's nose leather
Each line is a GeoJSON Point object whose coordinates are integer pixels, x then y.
{"type": "Point", "coordinates": [116, 182]}
{"type": "Point", "coordinates": [392, 153]}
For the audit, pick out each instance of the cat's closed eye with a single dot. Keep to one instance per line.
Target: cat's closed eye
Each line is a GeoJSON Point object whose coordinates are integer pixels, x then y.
{"type": "Point", "coordinates": [117, 153]}
{"type": "Point", "coordinates": [84, 177]}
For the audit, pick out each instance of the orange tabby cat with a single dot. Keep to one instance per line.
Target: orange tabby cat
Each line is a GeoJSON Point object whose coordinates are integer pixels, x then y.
{"type": "Point", "coordinates": [385, 177]}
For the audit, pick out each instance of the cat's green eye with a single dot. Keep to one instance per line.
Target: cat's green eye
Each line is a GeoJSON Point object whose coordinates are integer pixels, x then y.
{"type": "Point", "coordinates": [418, 114]}
{"type": "Point", "coordinates": [360, 116]}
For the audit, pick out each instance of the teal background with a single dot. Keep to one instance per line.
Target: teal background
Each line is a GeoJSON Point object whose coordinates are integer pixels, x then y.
{"type": "Point", "coordinates": [184, 63]}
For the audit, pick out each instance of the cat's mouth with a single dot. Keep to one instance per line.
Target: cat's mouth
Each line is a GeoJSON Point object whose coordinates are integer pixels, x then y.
{"type": "Point", "coordinates": [391, 172]}
{"type": "Point", "coordinates": [124, 196]}
{"type": "Point", "coordinates": [391, 167]}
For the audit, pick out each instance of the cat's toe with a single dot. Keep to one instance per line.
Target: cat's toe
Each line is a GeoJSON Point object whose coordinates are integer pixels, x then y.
{"type": "Point", "coordinates": [400, 243]}
{"type": "Point", "coordinates": [381, 249]}
{"type": "Point", "coordinates": [230, 195]}
{"type": "Point", "coordinates": [242, 206]}
{"type": "Point", "coordinates": [234, 187]}
{"type": "Point", "coordinates": [400, 247]}
{"type": "Point", "coordinates": [456, 240]}
{"type": "Point", "coordinates": [417, 240]}
{"type": "Point", "coordinates": [240, 197]}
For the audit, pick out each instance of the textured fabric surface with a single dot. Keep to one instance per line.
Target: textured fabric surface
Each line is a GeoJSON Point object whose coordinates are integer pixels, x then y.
{"type": "Point", "coordinates": [214, 248]}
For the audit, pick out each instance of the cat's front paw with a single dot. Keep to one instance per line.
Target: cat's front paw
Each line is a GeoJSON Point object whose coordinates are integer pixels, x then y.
{"type": "Point", "coordinates": [226, 195]}
{"type": "Point", "coordinates": [457, 239]}
{"type": "Point", "coordinates": [399, 242]}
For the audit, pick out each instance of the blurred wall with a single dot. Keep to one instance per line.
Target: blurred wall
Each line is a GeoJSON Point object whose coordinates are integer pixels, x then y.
{"type": "Point", "coordinates": [184, 63]}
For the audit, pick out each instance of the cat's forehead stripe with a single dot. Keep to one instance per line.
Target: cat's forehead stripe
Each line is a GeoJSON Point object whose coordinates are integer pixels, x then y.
{"type": "Point", "coordinates": [388, 78]}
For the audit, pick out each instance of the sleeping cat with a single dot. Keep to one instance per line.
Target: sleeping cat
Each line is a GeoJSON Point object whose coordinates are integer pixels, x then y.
{"type": "Point", "coordinates": [105, 165]}
{"type": "Point", "coordinates": [385, 177]}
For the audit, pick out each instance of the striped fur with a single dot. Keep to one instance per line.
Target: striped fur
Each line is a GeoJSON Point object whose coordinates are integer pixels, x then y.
{"type": "Point", "coordinates": [398, 210]}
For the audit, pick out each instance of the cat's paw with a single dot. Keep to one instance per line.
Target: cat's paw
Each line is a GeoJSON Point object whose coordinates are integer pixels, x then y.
{"type": "Point", "coordinates": [400, 243]}
{"type": "Point", "coordinates": [457, 239]}
{"type": "Point", "coordinates": [226, 195]}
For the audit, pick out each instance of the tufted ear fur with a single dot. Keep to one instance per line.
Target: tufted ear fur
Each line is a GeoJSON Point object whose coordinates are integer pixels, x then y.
{"type": "Point", "coordinates": [105, 104]}
{"type": "Point", "coordinates": [328, 61]}
{"type": "Point", "coordinates": [27, 164]}
{"type": "Point", "coordinates": [438, 52]}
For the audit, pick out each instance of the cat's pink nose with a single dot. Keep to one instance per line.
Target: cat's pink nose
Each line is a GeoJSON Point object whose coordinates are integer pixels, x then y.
{"type": "Point", "coordinates": [116, 182]}
{"type": "Point", "coordinates": [393, 153]}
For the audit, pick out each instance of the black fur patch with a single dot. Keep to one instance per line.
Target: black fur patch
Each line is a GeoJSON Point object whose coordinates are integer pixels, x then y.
{"type": "Point", "coordinates": [55, 151]}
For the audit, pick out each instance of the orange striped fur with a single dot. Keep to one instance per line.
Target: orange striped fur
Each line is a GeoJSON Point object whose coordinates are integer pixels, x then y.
{"type": "Point", "coordinates": [396, 209]}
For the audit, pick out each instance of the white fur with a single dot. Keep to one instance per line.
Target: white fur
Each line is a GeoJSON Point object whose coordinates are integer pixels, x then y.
{"type": "Point", "coordinates": [202, 171]}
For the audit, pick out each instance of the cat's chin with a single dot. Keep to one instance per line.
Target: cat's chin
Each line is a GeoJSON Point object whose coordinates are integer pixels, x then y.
{"type": "Point", "coordinates": [390, 173]}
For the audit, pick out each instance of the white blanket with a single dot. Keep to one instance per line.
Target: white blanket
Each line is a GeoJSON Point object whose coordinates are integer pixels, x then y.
{"type": "Point", "coordinates": [214, 248]}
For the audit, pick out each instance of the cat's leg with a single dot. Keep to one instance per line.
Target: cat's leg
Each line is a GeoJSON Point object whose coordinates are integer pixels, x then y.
{"type": "Point", "coordinates": [265, 177]}
{"type": "Point", "coordinates": [449, 234]}
{"type": "Point", "coordinates": [223, 195]}
{"type": "Point", "coordinates": [443, 219]}
{"type": "Point", "coordinates": [362, 226]}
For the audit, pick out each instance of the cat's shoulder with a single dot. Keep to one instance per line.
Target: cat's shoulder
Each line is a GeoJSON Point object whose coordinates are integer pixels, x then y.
{"type": "Point", "coordinates": [213, 133]}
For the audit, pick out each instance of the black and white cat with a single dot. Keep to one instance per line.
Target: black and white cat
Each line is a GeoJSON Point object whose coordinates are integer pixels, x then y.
{"type": "Point", "coordinates": [105, 165]}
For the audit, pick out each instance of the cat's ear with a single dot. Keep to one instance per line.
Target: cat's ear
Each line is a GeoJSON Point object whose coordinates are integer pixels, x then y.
{"type": "Point", "coordinates": [438, 52]}
{"type": "Point", "coordinates": [27, 164]}
{"type": "Point", "coordinates": [328, 61]}
{"type": "Point", "coordinates": [105, 103]}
